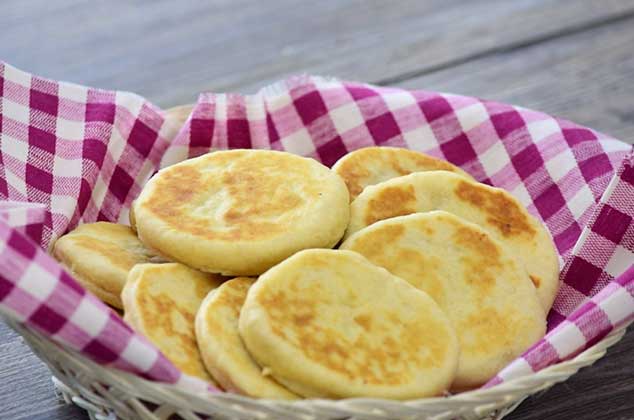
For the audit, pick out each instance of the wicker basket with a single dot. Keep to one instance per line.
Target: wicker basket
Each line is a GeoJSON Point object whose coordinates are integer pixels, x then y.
{"type": "Point", "coordinates": [107, 393]}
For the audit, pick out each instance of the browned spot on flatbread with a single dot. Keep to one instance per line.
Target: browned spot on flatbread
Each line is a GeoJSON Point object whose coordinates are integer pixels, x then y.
{"type": "Point", "coordinates": [536, 280]}
{"type": "Point", "coordinates": [202, 288]}
{"type": "Point", "coordinates": [353, 174]}
{"type": "Point", "coordinates": [410, 264]}
{"type": "Point", "coordinates": [420, 270]}
{"type": "Point", "coordinates": [391, 202]}
{"type": "Point", "coordinates": [244, 187]}
{"type": "Point", "coordinates": [161, 315]}
{"type": "Point", "coordinates": [232, 298]}
{"type": "Point", "coordinates": [478, 243]}
{"type": "Point", "coordinates": [502, 212]}
{"type": "Point", "coordinates": [303, 319]}
{"type": "Point", "coordinates": [353, 355]}
{"type": "Point", "coordinates": [481, 259]}
{"type": "Point", "coordinates": [417, 161]}
{"type": "Point", "coordinates": [373, 245]}
{"type": "Point", "coordinates": [167, 319]}
{"type": "Point", "coordinates": [365, 321]}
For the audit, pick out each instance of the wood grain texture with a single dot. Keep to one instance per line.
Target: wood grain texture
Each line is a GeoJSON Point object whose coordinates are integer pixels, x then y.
{"type": "Point", "coordinates": [570, 58]}
{"type": "Point", "coordinates": [26, 390]}
{"type": "Point", "coordinates": [586, 77]}
{"type": "Point", "coordinates": [170, 51]}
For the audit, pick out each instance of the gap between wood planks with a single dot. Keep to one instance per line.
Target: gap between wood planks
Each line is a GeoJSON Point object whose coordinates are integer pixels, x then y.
{"type": "Point", "coordinates": [524, 43]}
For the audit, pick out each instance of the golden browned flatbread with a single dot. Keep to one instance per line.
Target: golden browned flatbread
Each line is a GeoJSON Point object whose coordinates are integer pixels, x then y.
{"type": "Point", "coordinates": [486, 293]}
{"type": "Point", "coordinates": [371, 165]}
{"type": "Point", "coordinates": [100, 255]}
{"type": "Point", "coordinates": [493, 209]}
{"type": "Point", "coordinates": [328, 323]}
{"type": "Point", "coordinates": [222, 349]}
{"type": "Point", "coordinates": [161, 301]}
{"type": "Point", "coordinates": [240, 212]}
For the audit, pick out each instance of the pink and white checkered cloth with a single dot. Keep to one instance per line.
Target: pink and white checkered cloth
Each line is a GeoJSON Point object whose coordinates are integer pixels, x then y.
{"type": "Point", "coordinates": [71, 154]}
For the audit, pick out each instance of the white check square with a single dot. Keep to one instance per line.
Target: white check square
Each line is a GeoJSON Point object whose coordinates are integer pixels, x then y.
{"type": "Point", "coordinates": [558, 166]}
{"type": "Point", "coordinates": [69, 130]}
{"type": "Point", "coordinates": [37, 282]}
{"type": "Point", "coordinates": [89, 318]}
{"type": "Point", "coordinates": [299, 143]}
{"type": "Point", "coordinates": [129, 101]}
{"type": "Point", "coordinates": [398, 100]}
{"type": "Point", "coordinates": [620, 261]}
{"type": "Point", "coordinates": [346, 117]}
{"type": "Point", "coordinates": [278, 101]}
{"type": "Point", "coordinates": [139, 354]}
{"type": "Point", "coordinates": [494, 158]}
{"type": "Point", "coordinates": [539, 130]}
{"type": "Point", "coordinates": [420, 137]}
{"type": "Point", "coordinates": [67, 167]}
{"type": "Point", "coordinates": [472, 116]}
{"type": "Point", "coordinates": [580, 202]}
{"type": "Point", "coordinates": [63, 204]}
{"type": "Point", "coordinates": [568, 340]}
{"type": "Point", "coordinates": [16, 182]}
{"type": "Point", "coordinates": [618, 306]}
{"type": "Point", "coordinates": [521, 193]}
{"type": "Point", "coordinates": [17, 76]}
{"type": "Point", "coordinates": [16, 112]}
{"type": "Point", "coordinates": [14, 147]}
{"type": "Point", "coordinates": [72, 92]}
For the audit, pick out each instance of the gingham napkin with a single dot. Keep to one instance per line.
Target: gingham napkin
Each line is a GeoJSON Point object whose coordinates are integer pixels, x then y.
{"type": "Point", "coordinates": [84, 154]}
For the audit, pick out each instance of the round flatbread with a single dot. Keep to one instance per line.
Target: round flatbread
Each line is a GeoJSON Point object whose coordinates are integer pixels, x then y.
{"type": "Point", "coordinates": [161, 301]}
{"type": "Point", "coordinates": [222, 349]}
{"type": "Point", "coordinates": [328, 323]}
{"type": "Point", "coordinates": [240, 212]}
{"type": "Point", "coordinates": [100, 255]}
{"type": "Point", "coordinates": [493, 209]}
{"type": "Point", "coordinates": [483, 289]}
{"type": "Point", "coordinates": [372, 165]}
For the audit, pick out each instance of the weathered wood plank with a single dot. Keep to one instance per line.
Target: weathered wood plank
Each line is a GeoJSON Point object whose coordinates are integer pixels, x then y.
{"type": "Point", "coordinates": [587, 78]}
{"type": "Point", "coordinates": [170, 51]}
{"type": "Point", "coordinates": [26, 390]}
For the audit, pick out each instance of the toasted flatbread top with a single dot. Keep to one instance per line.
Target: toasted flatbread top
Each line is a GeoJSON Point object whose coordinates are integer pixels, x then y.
{"type": "Point", "coordinates": [493, 209]}
{"type": "Point", "coordinates": [328, 323]}
{"type": "Point", "coordinates": [100, 255]}
{"type": "Point", "coordinates": [161, 301]}
{"type": "Point", "coordinates": [239, 212]}
{"type": "Point", "coordinates": [483, 289]}
{"type": "Point", "coordinates": [222, 348]}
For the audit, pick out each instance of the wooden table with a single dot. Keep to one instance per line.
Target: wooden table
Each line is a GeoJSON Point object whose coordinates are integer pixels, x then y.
{"type": "Point", "coordinates": [572, 58]}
